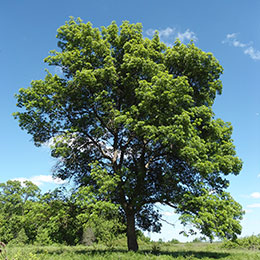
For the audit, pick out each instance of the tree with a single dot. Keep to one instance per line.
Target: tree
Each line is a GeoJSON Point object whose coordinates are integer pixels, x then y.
{"type": "Point", "coordinates": [137, 112]}
{"type": "Point", "coordinates": [101, 219]}
{"type": "Point", "coordinates": [15, 199]}
{"type": "Point", "coordinates": [28, 216]}
{"type": "Point", "coordinates": [60, 223]}
{"type": "Point", "coordinates": [213, 214]}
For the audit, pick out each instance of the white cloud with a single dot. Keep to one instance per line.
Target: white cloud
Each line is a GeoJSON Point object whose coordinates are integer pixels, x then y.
{"type": "Point", "coordinates": [248, 211]}
{"type": "Point", "coordinates": [231, 35]}
{"type": "Point", "coordinates": [170, 34]}
{"type": "Point", "coordinates": [238, 44]}
{"type": "Point", "coordinates": [232, 40]}
{"type": "Point", "coordinates": [253, 53]}
{"type": "Point", "coordinates": [164, 33]}
{"type": "Point", "coordinates": [187, 35]}
{"type": "Point", "coordinates": [255, 195]}
{"type": "Point", "coordinates": [255, 205]}
{"type": "Point", "coordinates": [42, 179]}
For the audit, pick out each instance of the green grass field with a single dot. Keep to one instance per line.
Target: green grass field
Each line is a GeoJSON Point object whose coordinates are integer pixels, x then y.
{"type": "Point", "coordinates": [153, 251]}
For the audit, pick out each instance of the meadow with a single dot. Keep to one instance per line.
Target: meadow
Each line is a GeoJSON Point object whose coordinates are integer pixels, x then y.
{"type": "Point", "coordinates": [151, 251]}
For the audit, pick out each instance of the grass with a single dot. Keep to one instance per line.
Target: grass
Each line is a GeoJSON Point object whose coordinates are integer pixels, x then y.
{"type": "Point", "coordinates": [151, 251]}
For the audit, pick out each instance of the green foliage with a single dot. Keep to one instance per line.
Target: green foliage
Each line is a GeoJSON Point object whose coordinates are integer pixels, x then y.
{"type": "Point", "coordinates": [141, 237]}
{"type": "Point", "coordinates": [59, 217]}
{"type": "Point", "coordinates": [105, 230]}
{"type": "Point", "coordinates": [156, 247]}
{"type": "Point", "coordinates": [97, 212]}
{"type": "Point", "coordinates": [43, 237]}
{"type": "Point", "coordinates": [213, 214]}
{"type": "Point", "coordinates": [20, 240]}
{"type": "Point", "coordinates": [24, 209]}
{"type": "Point", "coordinates": [15, 200]}
{"type": "Point", "coordinates": [20, 256]}
{"type": "Point", "coordinates": [131, 120]}
{"type": "Point", "coordinates": [175, 241]}
{"type": "Point", "coordinates": [196, 240]}
{"type": "Point", "coordinates": [250, 242]}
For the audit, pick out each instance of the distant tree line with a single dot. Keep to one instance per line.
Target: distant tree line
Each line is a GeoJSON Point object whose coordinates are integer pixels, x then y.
{"type": "Point", "coordinates": [58, 216]}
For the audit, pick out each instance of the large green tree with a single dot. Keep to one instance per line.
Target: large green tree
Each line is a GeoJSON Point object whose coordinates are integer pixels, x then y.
{"type": "Point", "coordinates": [139, 114]}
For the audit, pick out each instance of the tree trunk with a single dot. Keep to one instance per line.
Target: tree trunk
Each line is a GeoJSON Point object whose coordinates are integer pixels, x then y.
{"type": "Point", "coordinates": [131, 235]}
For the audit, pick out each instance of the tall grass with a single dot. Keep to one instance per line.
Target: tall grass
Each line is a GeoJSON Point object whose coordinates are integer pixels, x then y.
{"type": "Point", "coordinates": [148, 251]}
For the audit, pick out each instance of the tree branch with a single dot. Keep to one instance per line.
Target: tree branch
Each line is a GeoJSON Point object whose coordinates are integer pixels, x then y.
{"type": "Point", "coordinates": [99, 148]}
{"type": "Point", "coordinates": [102, 122]}
{"type": "Point", "coordinates": [167, 222]}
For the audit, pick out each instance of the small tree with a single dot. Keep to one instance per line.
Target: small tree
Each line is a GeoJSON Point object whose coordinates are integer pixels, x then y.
{"type": "Point", "coordinates": [20, 240]}
{"type": "Point", "coordinates": [143, 111]}
{"type": "Point", "coordinates": [43, 237]}
{"type": "Point", "coordinates": [100, 218]}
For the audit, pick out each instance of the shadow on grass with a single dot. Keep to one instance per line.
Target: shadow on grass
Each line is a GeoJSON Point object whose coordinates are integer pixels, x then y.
{"type": "Point", "coordinates": [173, 254]}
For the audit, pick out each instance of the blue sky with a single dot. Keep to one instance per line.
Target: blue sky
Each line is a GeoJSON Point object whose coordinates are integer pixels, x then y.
{"type": "Point", "coordinates": [229, 29]}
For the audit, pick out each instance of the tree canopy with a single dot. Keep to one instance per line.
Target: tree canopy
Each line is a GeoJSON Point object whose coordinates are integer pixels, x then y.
{"type": "Point", "coordinates": [132, 119]}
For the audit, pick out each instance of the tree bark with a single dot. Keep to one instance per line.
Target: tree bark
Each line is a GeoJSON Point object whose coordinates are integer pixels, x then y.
{"type": "Point", "coordinates": [131, 234]}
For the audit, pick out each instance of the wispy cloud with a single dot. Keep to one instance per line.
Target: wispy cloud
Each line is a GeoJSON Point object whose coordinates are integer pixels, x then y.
{"type": "Point", "coordinates": [255, 195]}
{"type": "Point", "coordinates": [164, 33]}
{"type": "Point", "coordinates": [41, 179]}
{"type": "Point", "coordinates": [170, 34]}
{"type": "Point", "coordinates": [255, 205]}
{"type": "Point", "coordinates": [247, 48]}
{"type": "Point", "coordinates": [253, 53]}
{"type": "Point", "coordinates": [187, 35]}
{"type": "Point", "coordinates": [232, 40]}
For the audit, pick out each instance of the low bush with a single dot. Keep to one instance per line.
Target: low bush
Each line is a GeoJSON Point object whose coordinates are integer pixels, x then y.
{"type": "Point", "coordinates": [174, 241]}
{"type": "Point", "coordinates": [250, 242]}
{"type": "Point", "coordinates": [20, 240]}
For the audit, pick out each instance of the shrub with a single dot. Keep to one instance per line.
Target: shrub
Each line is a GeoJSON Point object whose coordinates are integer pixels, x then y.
{"type": "Point", "coordinates": [156, 247]}
{"type": "Point", "coordinates": [196, 240]}
{"type": "Point", "coordinates": [141, 237]}
{"type": "Point", "coordinates": [174, 241]}
{"type": "Point", "coordinates": [251, 242]}
{"type": "Point", "coordinates": [43, 237]}
{"type": "Point", "coordinates": [21, 239]}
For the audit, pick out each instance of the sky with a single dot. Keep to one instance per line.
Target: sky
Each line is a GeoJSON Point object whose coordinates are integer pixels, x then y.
{"type": "Point", "coordinates": [230, 29]}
